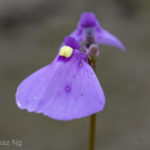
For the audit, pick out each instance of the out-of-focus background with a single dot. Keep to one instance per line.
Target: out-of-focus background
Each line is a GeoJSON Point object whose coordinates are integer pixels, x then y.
{"type": "Point", "coordinates": [31, 32]}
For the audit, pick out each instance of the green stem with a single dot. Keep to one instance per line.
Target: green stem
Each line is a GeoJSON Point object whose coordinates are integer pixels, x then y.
{"type": "Point", "coordinates": [92, 121]}
{"type": "Point", "coordinates": [92, 131]}
{"type": "Point", "coordinates": [92, 118]}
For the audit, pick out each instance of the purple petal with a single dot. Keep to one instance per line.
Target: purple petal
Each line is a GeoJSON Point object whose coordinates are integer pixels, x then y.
{"type": "Point", "coordinates": [101, 35]}
{"type": "Point", "coordinates": [87, 19]}
{"type": "Point", "coordinates": [63, 90]}
{"type": "Point", "coordinates": [70, 41]}
{"type": "Point", "coordinates": [106, 38]}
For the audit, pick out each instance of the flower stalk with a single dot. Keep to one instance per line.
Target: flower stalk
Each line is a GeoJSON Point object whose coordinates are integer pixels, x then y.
{"type": "Point", "coordinates": [92, 63]}
{"type": "Point", "coordinates": [92, 132]}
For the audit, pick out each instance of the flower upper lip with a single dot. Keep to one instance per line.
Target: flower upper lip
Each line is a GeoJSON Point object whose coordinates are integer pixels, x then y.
{"type": "Point", "coordinates": [88, 21]}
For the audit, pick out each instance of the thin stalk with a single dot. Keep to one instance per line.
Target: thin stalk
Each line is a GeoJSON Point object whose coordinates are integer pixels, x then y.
{"type": "Point", "coordinates": [92, 119]}
{"type": "Point", "coordinates": [92, 132]}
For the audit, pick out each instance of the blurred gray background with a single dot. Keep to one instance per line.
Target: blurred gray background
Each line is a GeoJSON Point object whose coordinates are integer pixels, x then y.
{"type": "Point", "coordinates": [31, 32]}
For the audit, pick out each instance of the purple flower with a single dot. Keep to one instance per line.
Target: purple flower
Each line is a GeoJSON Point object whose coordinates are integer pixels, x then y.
{"type": "Point", "coordinates": [64, 90]}
{"type": "Point", "coordinates": [68, 88]}
{"type": "Point", "coordinates": [89, 31]}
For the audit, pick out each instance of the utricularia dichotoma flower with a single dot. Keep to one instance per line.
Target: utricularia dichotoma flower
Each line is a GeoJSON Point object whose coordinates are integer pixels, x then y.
{"type": "Point", "coordinates": [68, 88]}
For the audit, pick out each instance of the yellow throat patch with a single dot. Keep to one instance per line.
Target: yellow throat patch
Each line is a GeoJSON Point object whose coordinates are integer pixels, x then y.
{"type": "Point", "coordinates": [66, 51]}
